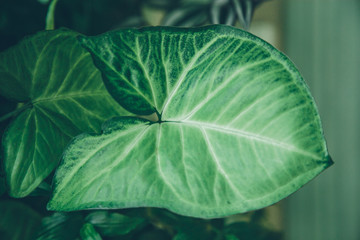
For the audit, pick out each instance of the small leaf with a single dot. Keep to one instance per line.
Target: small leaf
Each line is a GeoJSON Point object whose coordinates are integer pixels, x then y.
{"type": "Point", "coordinates": [61, 226]}
{"type": "Point", "coordinates": [18, 221]}
{"type": "Point", "coordinates": [238, 128]}
{"type": "Point", "coordinates": [63, 95]}
{"type": "Point", "coordinates": [88, 232]}
{"type": "Point", "coordinates": [111, 224]}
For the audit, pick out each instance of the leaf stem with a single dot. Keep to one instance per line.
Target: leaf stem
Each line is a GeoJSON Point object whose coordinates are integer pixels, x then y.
{"type": "Point", "coordinates": [13, 113]}
{"type": "Point", "coordinates": [50, 17]}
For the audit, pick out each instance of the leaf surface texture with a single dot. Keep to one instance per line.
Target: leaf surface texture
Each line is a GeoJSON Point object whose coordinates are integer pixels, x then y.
{"type": "Point", "coordinates": [238, 130]}
{"type": "Point", "coordinates": [61, 95]}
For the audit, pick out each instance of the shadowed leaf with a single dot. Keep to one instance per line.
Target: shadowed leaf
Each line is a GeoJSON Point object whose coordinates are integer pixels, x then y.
{"type": "Point", "coordinates": [62, 94]}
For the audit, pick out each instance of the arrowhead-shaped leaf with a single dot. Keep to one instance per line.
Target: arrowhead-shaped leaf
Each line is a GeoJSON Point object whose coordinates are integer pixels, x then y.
{"type": "Point", "coordinates": [238, 130]}
{"type": "Point", "coordinates": [62, 94]}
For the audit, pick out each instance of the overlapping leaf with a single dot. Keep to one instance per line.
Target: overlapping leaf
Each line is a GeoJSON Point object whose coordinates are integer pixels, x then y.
{"type": "Point", "coordinates": [238, 129]}
{"type": "Point", "coordinates": [61, 226]}
{"type": "Point", "coordinates": [111, 224]}
{"type": "Point", "coordinates": [62, 95]}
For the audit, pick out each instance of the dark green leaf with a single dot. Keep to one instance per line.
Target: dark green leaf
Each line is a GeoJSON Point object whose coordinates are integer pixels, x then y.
{"type": "Point", "coordinates": [153, 234]}
{"type": "Point", "coordinates": [64, 96]}
{"type": "Point", "coordinates": [251, 231]}
{"type": "Point", "coordinates": [88, 232]}
{"type": "Point", "coordinates": [61, 226]}
{"type": "Point", "coordinates": [113, 224]}
{"type": "Point", "coordinates": [195, 232]}
{"type": "Point", "coordinates": [222, 12]}
{"type": "Point", "coordinates": [231, 237]}
{"type": "Point", "coordinates": [6, 112]}
{"type": "Point", "coordinates": [2, 185]}
{"type": "Point", "coordinates": [18, 221]}
{"type": "Point", "coordinates": [43, 189]}
{"type": "Point", "coordinates": [165, 4]}
{"type": "Point", "coordinates": [238, 130]}
{"type": "Point", "coordinates": [186, 17]}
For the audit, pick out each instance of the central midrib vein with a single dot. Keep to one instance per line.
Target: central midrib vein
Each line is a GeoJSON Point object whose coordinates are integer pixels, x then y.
{"type": "Point", "coordinates": [249, 135]}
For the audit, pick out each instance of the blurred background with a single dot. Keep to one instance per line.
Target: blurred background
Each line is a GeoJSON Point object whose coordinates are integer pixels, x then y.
{"type": "Point", "coordinates": [322, 37]}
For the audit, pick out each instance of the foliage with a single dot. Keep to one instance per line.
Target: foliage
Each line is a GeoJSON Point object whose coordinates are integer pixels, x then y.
{"type": "Point", "coordinates": [54, 107]}
{"type": "Point", "coordinates": [195, 160]}
{"type": "Point", "coordinates": [205, 122]}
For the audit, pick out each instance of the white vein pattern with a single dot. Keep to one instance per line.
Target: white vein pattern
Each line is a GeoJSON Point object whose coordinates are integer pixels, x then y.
{"type": "Point", "coordinates": [228, 140]}
{"type": "Point", "coordinates": [187, 68]}
{"type": "Point", "coordinates": [63, 96]}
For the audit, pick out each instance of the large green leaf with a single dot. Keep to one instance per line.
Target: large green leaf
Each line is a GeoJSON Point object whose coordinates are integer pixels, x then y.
{"type": "Point", "coordinates": [62, 95]}
{"type": "Point", "coordinates": [238, 130]}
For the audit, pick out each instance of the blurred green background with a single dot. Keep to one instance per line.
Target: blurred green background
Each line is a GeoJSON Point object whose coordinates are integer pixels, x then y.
{"type": "Point", "coordinates": [322, 37]}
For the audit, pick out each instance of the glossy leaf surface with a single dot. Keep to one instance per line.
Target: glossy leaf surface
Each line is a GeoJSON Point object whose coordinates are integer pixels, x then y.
{"type": "Point", "coordinates": [62, 95]}
{"type": "Point", "coordinates": [238, 130]}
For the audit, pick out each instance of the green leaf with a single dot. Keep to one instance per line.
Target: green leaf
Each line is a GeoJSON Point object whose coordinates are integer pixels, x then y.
{"type": "Point", "coordinates": [43, 189]}
{"type": "Point", "coordinates": [196, 232]}
{"type": "Point", "coordinates": [63, 95]}
{"type": "Point", "coordinates": [231, 237]}
{"type": "Point", "coordinates": [61, 226]}
{"type": "Point", "coordinates": [2, 185]}
{"type": "Point", "coordinates": [88, 232]}
{"type": "Point", "coordinates": [251, 231]}
{"type": "Point", "coordinates": [238, 130]}
{"type": "Point", "coordinates": [18, 221]}
{"type": "Point", "coordinates": [6, 110]}
{"type": "Point", "coordinates": [113, 224]}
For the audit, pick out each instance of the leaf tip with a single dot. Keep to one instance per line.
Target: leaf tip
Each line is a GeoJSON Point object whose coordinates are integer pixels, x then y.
{"type": "Point", "coordinates": [329, 162]}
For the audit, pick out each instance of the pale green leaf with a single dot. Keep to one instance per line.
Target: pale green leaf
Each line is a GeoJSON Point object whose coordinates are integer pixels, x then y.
{"type": "Point", "coordinates": [63, 95]}
{"type": "Point", "coordinates": [238, 128]}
